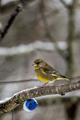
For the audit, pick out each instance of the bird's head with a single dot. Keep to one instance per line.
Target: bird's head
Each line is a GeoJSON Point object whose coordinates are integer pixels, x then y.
{"type": "Point", "coordinates": [38, 63]}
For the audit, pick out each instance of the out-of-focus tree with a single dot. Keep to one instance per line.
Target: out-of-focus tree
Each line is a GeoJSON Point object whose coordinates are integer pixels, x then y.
{"type": "Point", "coordinates": [42, 28]}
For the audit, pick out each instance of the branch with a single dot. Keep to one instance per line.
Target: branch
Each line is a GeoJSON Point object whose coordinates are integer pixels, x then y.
{"type": "Point", "coordinates": [24, 49]}
{"type": "Point", "coordinates": [13, 16]}
{"type": "Point", "coordinates": [53, 101]}
{"type": "Point", "coordinates": [18, 98]}
{"type": "Point", "coordinates": [58, 100]}
{"type": "Point", "coordinates": [18, 81]}
{"type": "Point", "coordinates": [30, 80]}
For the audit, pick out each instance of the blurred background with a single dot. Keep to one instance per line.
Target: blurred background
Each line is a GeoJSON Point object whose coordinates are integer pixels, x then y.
{"type": "Point", "coordinates": [45, 29]}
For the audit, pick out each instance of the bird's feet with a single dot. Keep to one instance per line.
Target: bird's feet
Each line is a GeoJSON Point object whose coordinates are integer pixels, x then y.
{"type": "Point", "coordinates": [44, 84]}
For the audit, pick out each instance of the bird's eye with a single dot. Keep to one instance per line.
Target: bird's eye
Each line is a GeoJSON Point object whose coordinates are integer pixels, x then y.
{"type": "Point", "coordinates": [37, 62]}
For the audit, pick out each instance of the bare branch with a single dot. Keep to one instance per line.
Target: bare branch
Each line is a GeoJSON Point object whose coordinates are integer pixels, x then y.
{"type": "Point", "coordinates": [18, 81]}
{"type": "Point", "coordinates": [53, 101]}
{"type": "Point", "coordinates": [24, 49]}
{"type": "Point", "coordinates": [18, 98]}
{"type": "Point", "coordinates": [30, 80]}
{"type": "Point", "coordinates": [13, 16]}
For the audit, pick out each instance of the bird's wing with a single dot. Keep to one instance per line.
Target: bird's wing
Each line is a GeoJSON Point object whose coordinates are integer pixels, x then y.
{"type": "Point", "coordinates": [53, 73]}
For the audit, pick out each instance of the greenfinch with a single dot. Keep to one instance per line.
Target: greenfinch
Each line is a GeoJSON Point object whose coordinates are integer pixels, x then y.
{"type": "Point", "coordinates": [46, 73]}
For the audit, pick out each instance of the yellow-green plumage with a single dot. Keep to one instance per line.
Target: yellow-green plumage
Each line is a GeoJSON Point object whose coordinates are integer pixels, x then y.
{"type": "Point", "coordinates": [46, 73]}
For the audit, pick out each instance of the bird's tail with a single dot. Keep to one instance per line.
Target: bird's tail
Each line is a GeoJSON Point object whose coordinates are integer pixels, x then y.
{"type": "Point", "coordinates": [67, 79]}
{"type": "Point", "coordinates": [63, 79]}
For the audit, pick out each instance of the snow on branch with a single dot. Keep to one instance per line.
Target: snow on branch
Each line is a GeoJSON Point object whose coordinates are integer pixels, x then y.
{"type": "Point", "coordinates": [18, 98]}
{"type": "Point", "coordinates": [24, 49]}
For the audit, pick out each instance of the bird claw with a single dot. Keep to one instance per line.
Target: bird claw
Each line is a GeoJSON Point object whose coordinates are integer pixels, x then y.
{"type": "Point", "coordinates": [44, 84]}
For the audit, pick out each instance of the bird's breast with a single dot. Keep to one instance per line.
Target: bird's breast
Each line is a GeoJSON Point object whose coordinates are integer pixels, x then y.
{"type": "Point", "coordinates": [42, 76]}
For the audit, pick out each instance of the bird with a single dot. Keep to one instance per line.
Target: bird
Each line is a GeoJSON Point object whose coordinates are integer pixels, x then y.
{"type": "Point", "coordinates": [46, 73]}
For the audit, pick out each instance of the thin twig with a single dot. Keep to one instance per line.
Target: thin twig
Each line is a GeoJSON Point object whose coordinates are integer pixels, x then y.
{"type": "Point", "coordinates": [13, 16]}
{"type": "Point", "coordinates": [18, 81]}
{"type": "Point", "coordinates": [29, 80]}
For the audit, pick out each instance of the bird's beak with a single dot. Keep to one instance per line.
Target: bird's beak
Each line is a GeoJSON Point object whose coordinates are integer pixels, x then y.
{"type": "Point", "coordinates": [34, 64]}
